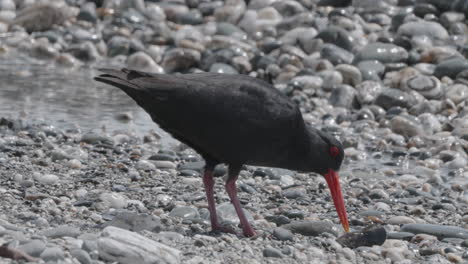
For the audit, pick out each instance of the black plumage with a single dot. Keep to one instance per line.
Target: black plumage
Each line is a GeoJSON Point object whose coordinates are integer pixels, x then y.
{"type": "Point", "coordinates": [232, 119]}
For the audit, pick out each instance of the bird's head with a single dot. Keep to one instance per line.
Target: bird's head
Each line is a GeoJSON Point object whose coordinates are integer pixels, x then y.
{"type": "Point", "coordinates": [325, 155]}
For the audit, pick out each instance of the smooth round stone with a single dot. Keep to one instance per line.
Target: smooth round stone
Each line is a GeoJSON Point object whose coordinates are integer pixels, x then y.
{"type": "Point", "coordinates": [259, 4]}
{"type": "Point", "coordinates": [389, 98]}
{"type": "Point", "coordinates": [430, 29]}
{"type": "Point", "coordinates": [141, 61]}
{"type": "Point", "coordinates": [428, 86]}
{"type": "Point", "coordinates": [294, 193]}
{"type": "Point", "coordinates": [33, 248]}
{"type": "Point", "coordinates": [371, 70]}
{"type": "Point", "coordinates": [382, 52]}
{"type": "Point", "coordinates": [195, 165]}
{"type": "Point", "coordinates": [457, 163]}
{"type": "Point", "coordinates": [164, 164]}
{"type": "Point", "coordinates": [365, 114]}
{"type": "Point", "coordinates": [180, 59]}
{"type": "Point", "coordinates": [42, 17]}
{"type": "Point", "coordinates": [193, 17]}
{"type": "Point", "coordinates": [288, 8]}
{"type": "Point", "coordinates": [336, 55]}
{"type": "Point", "coordinates": [185, 212]}
{"type": "Point", "coordinates": [406, 126]}
{"type": "Point", "coordinates": [449, 18]}
{"type": "Point", "coordinates": [343, 96]}
{"type": "Point", "coordinates": [118, 45]}
{"type": "Point", "coordinates": [85, 51]}
{"type": "Point", "coordinates": [331, 79]}
{"type": "Point", "coordinates": [53, 254]}
{"type": "Point", "coordinates": [154, 12]}
{"type": "Point", "coordinates": [400, 220]}
{"type": "Point", "coordinates": [231, 12]}
{"type": "Point", "coordinates": [82, 256]}
{"type": "Point", "coordinates": [440, 231]}
{"type": "Point", "coordinates": [367, 91]}
{"type": "Point", "coordinates": [306, 82]}
{"type": "Point", "coordinates": [423, 9]}
{"type": "Point", "coordinates": [145, 165]}
{"type": "Point", "coordinates": [227, 29]}
{"type": "Point", "coordinates": [378, 194]}
{"type": "Point", "coordinates": [457, 93]}
{"type": "Point", "coordinates": [88, 12]}
{"type": "Point", "coordinates": [451, 67]}
{"type": "Point", "coordinates": [223, 68]}
{"type": "Point", "coordinates": [271, 252]}
{"type": "Point", "coordinates": [351, 75]}
{"type": "Point", "coordinates": [278, 219]}
{"type": "Point", "coordinates": [283, 234]}
{"type": "Point", "coordinates": [337, 36]}
{"type": "Point", "coordinates": [208, 8]}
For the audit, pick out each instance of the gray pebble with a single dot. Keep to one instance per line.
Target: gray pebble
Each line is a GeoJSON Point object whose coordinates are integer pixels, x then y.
{"type": "Point", "coordinates": [440, 231]}
{"type": "Point", "coordinates": [271, 252]}
{"type": "Point", "coordinates": [283, 234]}
{"type": "Point", "coordinates": [53, 254]}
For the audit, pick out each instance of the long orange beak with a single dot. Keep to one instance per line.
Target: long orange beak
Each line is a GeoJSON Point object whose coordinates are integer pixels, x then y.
{"type": "Point", "coordinates": [333, 182]}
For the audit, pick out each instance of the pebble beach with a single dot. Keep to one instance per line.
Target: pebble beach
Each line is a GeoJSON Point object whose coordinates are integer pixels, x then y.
{"type": "Point", "coordinates": [86, 176]}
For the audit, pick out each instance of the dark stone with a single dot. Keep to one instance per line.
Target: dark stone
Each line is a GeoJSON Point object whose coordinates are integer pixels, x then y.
{"type": "Point", "coordinates": [368, 237]}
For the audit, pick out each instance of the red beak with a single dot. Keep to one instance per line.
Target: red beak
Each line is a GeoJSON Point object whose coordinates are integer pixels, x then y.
{"type": "Point", "coordinates": [333, 182]}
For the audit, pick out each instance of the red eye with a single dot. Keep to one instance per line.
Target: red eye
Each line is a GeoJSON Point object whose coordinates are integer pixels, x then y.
{"type": "Point", "coordinates": [334, 151]}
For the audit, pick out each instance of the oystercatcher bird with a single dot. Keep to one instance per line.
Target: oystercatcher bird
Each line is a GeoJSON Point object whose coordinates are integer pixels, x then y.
{"type": "Point", "coordinates": [236, 120]}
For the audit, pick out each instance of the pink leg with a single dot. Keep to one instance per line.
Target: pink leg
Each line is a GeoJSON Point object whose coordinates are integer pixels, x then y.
{"type": "Point", "coordinates": [209, 189]}
{"type": "Point", "coordinates": [231, 189]}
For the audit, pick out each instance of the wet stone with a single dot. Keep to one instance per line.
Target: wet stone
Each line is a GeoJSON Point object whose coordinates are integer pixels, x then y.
{"type": "Point", "coordinates": [382, 52]}
{"type": "Point", "coordinates": [393, 97]}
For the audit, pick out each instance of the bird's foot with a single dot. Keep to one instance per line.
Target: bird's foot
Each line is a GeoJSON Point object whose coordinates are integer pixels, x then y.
{"type": "Point", "coordinates": [249, 232]}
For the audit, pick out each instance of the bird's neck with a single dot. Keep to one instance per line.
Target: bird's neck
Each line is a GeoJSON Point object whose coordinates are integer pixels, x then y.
{"type": "Point", "coordinates": [295, 157]}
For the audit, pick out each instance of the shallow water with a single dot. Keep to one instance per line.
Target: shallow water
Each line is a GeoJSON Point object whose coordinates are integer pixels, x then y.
{"type": "Point", "coordinates": [68, 98]}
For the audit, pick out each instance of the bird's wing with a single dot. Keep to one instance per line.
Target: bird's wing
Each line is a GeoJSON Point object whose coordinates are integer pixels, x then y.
{"type": "Point", "coordinates": [216, 114]}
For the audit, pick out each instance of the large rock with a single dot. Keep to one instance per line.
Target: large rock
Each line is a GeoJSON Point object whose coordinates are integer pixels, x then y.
{"type": "Point", "coordinates": [123, 246]}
